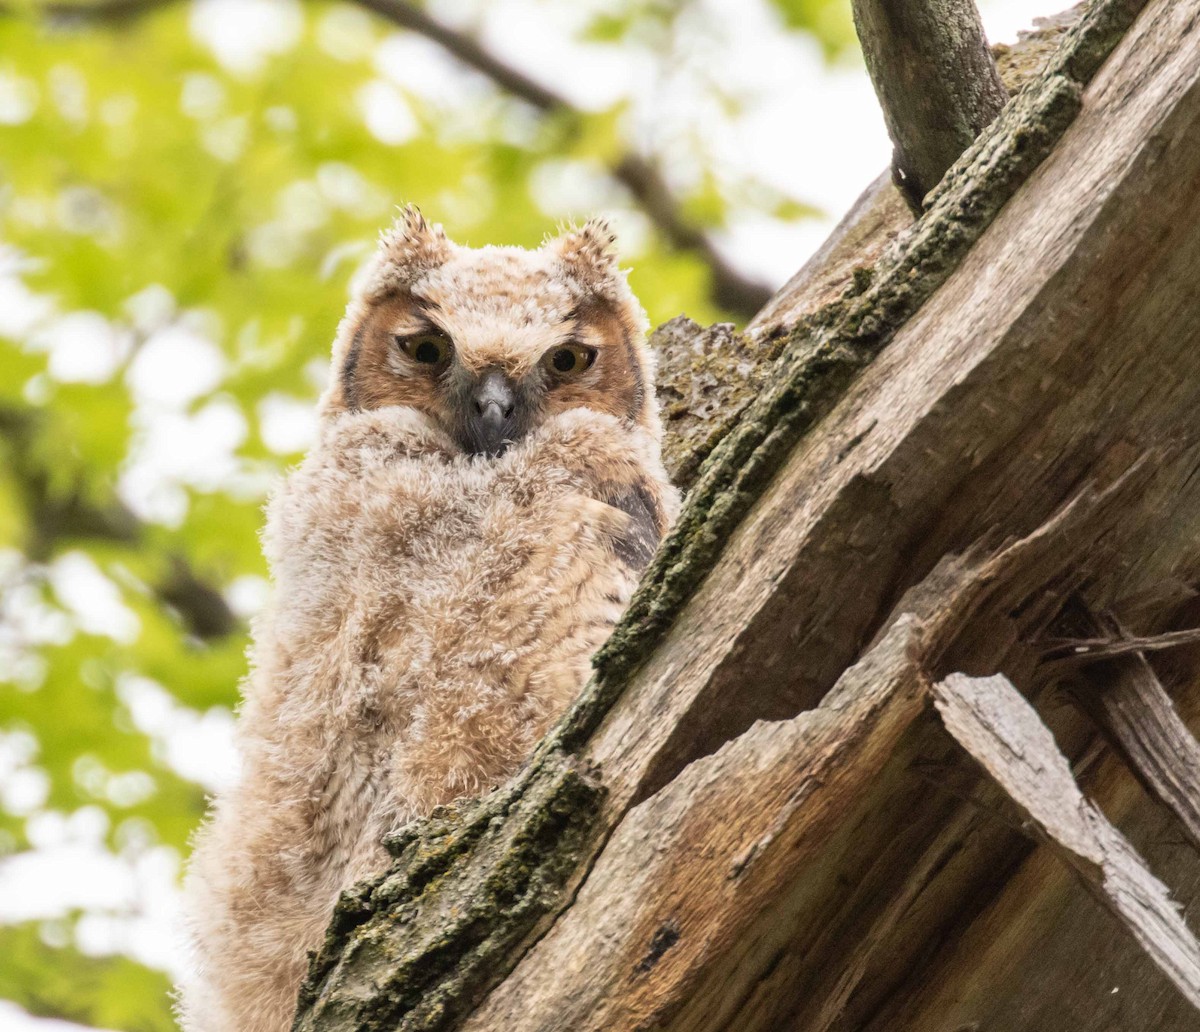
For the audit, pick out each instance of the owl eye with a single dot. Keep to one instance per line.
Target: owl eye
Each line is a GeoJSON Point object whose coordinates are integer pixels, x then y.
{"type": "Point", "coordinates": [569, 360]}
{"type": "Point", "coordinates": [427, 349]}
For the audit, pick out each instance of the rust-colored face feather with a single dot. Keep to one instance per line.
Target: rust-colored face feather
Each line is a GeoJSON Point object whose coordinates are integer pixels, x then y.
{"type": "Point", "coordinates": [488, 342]}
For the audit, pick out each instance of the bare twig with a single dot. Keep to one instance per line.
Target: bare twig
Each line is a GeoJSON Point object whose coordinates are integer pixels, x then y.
{"type": "Point", "coordinates": [1080, 651]}
{"type": "Point", "coordinates": [936, 81]}
{"type": "Point", "coordinates": [637, 173]}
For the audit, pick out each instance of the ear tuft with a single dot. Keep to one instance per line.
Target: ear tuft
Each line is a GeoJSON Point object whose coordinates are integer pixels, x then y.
{"type": "Point", "coordinates": [409, 249]}
{"type": "Point", "coordinates": [588, 255]}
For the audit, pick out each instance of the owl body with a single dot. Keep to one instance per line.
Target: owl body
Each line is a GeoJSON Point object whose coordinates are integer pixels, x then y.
{"type": "Point", "coordinates": [458, 543]}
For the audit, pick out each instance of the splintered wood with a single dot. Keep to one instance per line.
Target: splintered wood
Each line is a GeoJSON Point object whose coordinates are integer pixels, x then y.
{"type": "Point", "coordinates": [764, 856]}
{"type": "Point", "coordinates": [1133, 709]}
{"type": "Point", "coordinates": [1126, 700]}
{"type": "Point", "coordinates": [1002, 731]}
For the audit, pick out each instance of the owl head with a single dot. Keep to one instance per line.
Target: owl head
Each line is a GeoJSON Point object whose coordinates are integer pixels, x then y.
{"type": "Point", "coordinates": [489, 342]}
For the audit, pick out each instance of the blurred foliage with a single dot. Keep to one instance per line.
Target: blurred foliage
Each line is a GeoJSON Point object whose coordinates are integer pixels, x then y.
{"type": "Point", "coordinates": [830, 24]}
{"type": "Point", "coordinates": [177, 238]}
{"type": "Point", "coordinates": [108, 992]}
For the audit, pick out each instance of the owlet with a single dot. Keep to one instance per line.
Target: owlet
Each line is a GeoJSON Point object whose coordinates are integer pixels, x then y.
{"type": "Point", "coordinates": [484, 490]}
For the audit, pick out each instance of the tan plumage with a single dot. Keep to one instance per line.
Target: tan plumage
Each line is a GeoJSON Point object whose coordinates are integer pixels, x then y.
{"type": "Point", "coordinates": [460, 540]}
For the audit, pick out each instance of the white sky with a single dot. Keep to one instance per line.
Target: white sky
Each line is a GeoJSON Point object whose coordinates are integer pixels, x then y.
{"type": "Point", "coordinates": [833, 145]}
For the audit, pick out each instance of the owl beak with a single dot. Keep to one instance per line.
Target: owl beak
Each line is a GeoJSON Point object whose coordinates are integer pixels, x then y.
{"type": "Point", "coordinates": [490, 426]}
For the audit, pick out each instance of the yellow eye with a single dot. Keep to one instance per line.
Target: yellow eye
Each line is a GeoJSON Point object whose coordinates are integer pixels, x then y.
{"type": "Point", "coordinates": [429, 349]}
{"type": "Point", "coordinates": [569, 360]}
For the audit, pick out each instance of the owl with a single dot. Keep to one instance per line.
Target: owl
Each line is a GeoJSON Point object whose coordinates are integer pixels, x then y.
{"type": "Point", "coordinates": [484, 490]}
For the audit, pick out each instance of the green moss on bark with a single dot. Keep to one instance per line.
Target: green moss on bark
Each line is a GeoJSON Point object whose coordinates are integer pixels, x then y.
{"type": "Point", "coordinates": [415, 950]}
{"type": "Point", "coordinates": [826, 351]}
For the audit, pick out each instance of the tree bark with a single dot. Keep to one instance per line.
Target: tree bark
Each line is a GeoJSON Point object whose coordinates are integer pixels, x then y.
{"type": "Point", "coordinates": [936, 81]}
{"type": "Point", "coordinates": [754, 818]}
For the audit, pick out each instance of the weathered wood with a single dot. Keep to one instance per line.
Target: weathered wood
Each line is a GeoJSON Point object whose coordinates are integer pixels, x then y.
{"type": "Point", "coordinates": [1087, 651]}
{"type": "Point", "coordinates": [708, 375]}
{"type": "Point", "coordinates": [1132, 708]}
{"type": "Point", "coordinates": [712, 851]}
{"type": "Point", "coordinates": [982, 410]}
{"type": "Point", "coordinates": [1034, 950]}
{"type": "Point", "coordinates": [1136, 714]}
{"type": "Point", "coordinates": [994, 723]}
{"type": "Point", "coordinates": [765, 538]}
{"type": "Point", "coordinates": [703, 382]}
{"type": "Point", "coordinates": [936, 81]}
{"type": "Point", "coordinates": [880, 214]}
{"type": "Point", "coordinates": [651, 942]}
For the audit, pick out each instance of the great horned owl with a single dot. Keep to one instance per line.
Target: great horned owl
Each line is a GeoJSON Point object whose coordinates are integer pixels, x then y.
{"type": "Point", "coordinates": [485, 488]}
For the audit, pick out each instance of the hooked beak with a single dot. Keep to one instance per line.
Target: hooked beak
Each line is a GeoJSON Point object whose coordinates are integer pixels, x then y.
{"type": "Point", "coordinates": [489, 426]}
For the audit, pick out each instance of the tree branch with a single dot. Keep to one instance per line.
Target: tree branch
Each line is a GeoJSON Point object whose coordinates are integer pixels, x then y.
{"type": "Point", "coordinates": [637, 173]}
{"type": "Point", "coordinates": [56, 517]}
{"type": "Point", "coordinates": [936, 81]}
{"type": "Point", "coordinates": [844, 481]}
{"type": "Point", "coordinates": [1003, 732]}
{"type": "Point", "coordinates": [470, 52]}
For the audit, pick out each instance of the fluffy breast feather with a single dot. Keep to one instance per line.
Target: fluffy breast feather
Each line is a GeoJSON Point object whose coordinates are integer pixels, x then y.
{"type": "Point", "coordinates": [432, 615]}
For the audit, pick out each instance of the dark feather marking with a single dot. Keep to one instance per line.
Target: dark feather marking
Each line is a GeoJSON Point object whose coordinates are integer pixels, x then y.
{"type": "Point", "coordinates": [639, 388]}
{"type": "Point", "coordinates": [350, 370]}
{"type": "Point", "coordinates": [427, 310]}
{"type": "Point", "coordinates": [637, 542]}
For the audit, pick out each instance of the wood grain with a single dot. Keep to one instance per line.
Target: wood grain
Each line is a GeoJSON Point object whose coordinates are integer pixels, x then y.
{"type": "Point", "coordinates": [994, 723]}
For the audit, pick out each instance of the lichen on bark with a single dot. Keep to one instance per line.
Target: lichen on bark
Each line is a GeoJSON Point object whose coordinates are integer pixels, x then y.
{"type": "Point", "coordinates": [706, 376]}
{"type": "Point", "coordinates": [829, 347]}
{"type": "Point", "coordinates": [820, 359]}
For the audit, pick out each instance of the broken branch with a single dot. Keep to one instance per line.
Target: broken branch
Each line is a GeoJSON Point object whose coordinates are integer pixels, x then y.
{"type": "Point", "coordinates": [1002, 731]}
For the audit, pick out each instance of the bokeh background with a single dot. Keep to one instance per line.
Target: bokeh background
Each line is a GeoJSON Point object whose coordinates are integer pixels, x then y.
{"type": "Point", "coordinates": [186, 189]}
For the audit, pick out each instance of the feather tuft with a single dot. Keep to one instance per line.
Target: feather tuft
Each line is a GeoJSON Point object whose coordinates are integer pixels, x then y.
{"type": "Point", "coordinates": [407, 250]}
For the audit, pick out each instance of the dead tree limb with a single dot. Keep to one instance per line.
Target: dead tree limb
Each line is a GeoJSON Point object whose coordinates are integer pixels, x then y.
{"type": "Point", "coordinates": [994, 723]}
{"type": "Point", "coordinates": [881, 213]}
{"type": "Point", "coordinates": [1087, 651]}
{"type": "Point", "coordinates": [709, 376]}
{"type": "Point", "coordinates": [1132, 708]}
{"type": "Point", "coordinates": [936, 81]}
{"type": "Point", "coordinates": [1031, 333]}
